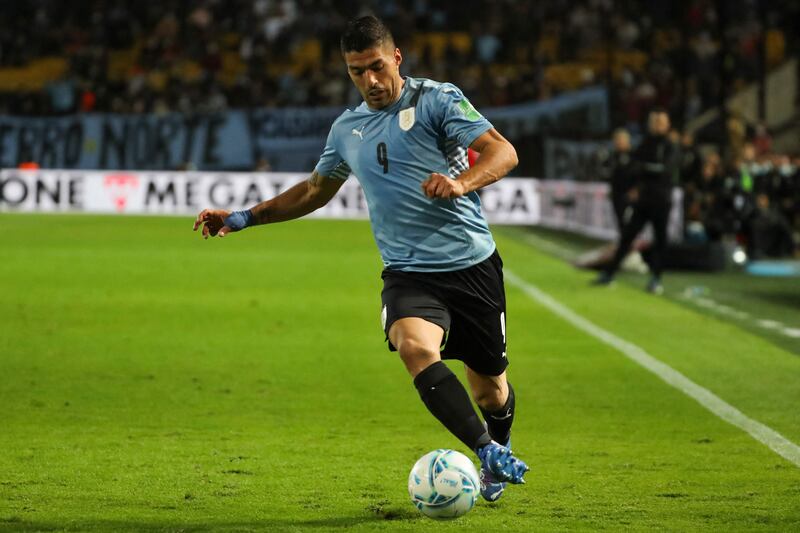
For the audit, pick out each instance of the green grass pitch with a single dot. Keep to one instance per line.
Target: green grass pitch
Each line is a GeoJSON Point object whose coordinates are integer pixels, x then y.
{"type": "Point", "coordinates": [153, 381]}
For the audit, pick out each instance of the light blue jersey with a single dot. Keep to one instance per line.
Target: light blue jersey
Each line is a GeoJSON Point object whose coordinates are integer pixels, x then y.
{"type": "Point", "coordinates": [391, 152]}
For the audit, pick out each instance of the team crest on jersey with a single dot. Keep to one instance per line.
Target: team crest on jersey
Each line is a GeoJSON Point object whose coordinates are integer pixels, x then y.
{"type": "Point", "coordinates": [407, 118]}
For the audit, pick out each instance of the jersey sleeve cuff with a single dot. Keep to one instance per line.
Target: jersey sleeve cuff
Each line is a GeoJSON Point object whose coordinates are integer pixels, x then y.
{"type": "Point", "coordinates": [477, 132]}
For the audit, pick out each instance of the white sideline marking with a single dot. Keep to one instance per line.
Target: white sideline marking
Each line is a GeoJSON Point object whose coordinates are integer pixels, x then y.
{"type": "Point", "coordinates": [708, 303]}
{"type": "Point", "coordinates": [764, 434]}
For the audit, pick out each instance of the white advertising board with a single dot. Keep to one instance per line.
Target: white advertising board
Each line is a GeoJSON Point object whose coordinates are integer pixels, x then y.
{"type": "Point", "coordinates": [575, 206]}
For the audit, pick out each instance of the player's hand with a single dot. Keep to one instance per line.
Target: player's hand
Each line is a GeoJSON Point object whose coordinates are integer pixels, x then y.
{"type": "Point", "coordinates": [441, 186]}
{"type": "Point", "coordinates": [212, 221]}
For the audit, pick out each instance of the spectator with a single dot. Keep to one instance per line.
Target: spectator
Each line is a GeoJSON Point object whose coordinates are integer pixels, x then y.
{"type": "Point", "coordinates": [768, 231]}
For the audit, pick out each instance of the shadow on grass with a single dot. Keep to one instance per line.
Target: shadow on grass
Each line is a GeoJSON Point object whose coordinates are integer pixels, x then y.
{"type": "Point", "coordinates": [787, 297]}
{"type": "Point", "coordinates": [320, 524]}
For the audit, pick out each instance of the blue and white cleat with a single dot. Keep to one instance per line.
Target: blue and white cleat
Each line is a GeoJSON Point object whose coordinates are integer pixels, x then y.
{"type": "Point", "coordinates": [491, 488]}
{"type": "Point", "coordinates": [499, 466]}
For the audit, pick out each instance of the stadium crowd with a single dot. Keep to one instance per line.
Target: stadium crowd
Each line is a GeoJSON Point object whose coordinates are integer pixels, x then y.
{"type": "Point", "coordinates": [751, 195]}
{"type": "Point", "coordinates": [180, 55]}
{"type": "Point", "coordinates": [209, 55]}
{"type": "Point", "coordinates": [754, 197]}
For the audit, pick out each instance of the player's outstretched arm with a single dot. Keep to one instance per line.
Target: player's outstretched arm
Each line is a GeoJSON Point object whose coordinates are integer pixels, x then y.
{"type": "Point", "coordinates": [300, 200]}
{"type": "Point", "coordinates": [498, 158]}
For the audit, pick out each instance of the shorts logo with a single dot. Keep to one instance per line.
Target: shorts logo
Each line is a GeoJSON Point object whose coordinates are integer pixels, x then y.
{"type": "Point", "coordinates": [503, 329]}
{"type": "Point", "coordinates": [383, 317]}
{"type": "Point", "coordinates": [407, 118]}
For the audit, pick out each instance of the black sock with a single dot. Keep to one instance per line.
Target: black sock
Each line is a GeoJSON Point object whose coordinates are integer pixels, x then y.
{"type": "Point", "coordinates": [499, 422]}
{"type": "Point", "coordinates": [446, 399]}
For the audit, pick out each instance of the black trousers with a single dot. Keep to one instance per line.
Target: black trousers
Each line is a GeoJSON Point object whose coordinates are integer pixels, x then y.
{"type": "Point", "coordinates": [657, 213]}
{"type": "Point", "coordinates": [620, 204]}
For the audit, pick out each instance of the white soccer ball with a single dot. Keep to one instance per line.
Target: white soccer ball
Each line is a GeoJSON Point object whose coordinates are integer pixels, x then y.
{"type": "Point", "coordinates": [444, 484]}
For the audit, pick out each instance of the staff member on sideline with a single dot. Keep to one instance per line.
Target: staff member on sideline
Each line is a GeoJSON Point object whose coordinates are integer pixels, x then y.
{"type": "Point", "coordinates": [616, 168]}
{"type": "Point", "coordinates": [655, 165]}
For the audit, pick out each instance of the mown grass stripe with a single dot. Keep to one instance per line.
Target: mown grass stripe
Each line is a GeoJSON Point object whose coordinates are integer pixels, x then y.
{"type": "Point", "coordinates": [762, 433]}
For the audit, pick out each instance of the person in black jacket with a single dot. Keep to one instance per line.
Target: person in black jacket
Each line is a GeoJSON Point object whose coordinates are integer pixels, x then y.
{"type": "Point", "coordinates": [616, 169]}
{"type": "Point", "coordinates": [655, 166]}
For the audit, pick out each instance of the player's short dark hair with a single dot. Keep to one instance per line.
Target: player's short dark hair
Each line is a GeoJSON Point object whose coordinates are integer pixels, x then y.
{"type": "Point", "coordinates": [363, 33]}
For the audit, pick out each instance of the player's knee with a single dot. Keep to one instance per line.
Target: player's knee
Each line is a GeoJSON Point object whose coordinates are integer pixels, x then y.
{"type": "Point", "coordinates": [410, 348]}
{"type": "Point", "coordinates": [415, 353]}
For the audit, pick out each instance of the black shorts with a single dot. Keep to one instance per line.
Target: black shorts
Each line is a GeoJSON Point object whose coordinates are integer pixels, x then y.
{"type": "Point", "coordinates": [469, 305]}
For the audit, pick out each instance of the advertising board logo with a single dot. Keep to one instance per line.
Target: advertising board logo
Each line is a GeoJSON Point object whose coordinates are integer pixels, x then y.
{"type": "Point", "coordinates": [119, 188]}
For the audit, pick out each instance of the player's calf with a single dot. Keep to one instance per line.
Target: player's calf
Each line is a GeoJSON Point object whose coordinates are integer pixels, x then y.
{"type": "Point", "coordinates": [498, 413]}
{"type": "Point", "coordinates": [448, 401]}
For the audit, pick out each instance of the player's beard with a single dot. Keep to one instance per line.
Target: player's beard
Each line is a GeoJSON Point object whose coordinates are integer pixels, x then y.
{"type": "Point", "coordinates": [378, 98]}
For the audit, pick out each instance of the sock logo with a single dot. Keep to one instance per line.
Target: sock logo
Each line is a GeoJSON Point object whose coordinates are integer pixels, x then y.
{"type": "Point", "coordinates": [504, 417]}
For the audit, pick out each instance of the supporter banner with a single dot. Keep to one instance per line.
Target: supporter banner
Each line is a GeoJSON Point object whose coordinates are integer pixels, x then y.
{"type": "Point", "coordinates": [290, 138]}
{"type": "Point", "coordinates": [185, 193]}
{"type": "Point", "coordinates": [95, 141]}
{"type": "Point", "coordinates": [585, 110]}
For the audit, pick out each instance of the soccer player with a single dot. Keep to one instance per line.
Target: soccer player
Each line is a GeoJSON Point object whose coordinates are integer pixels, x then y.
{"type": "Point", "coordinates": [443, 294]}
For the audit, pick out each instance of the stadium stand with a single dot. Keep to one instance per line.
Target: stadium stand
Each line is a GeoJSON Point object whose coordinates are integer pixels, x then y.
{"type": "Point", "coordinates": [60, 58]}
{"type": "Point", "coordinates": [92, 55]}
